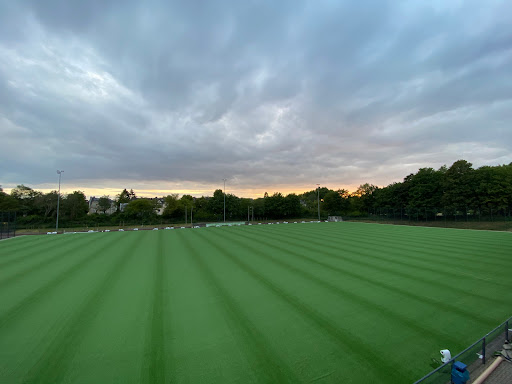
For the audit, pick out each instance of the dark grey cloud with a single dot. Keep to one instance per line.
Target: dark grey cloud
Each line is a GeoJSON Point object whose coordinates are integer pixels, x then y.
{"type": "Point", "coordinates": [287, 93]}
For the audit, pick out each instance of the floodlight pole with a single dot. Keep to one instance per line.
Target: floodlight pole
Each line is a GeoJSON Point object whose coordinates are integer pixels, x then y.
{"type": "Point", "coordinates": [224, 199]}
{"type": "Point", "coordinates": [318, 199]}
{"type": "Point", "coordinates": [58, 203]}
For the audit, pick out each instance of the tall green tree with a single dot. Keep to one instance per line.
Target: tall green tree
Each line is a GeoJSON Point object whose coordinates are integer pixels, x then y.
{"type": "Point", "coordinates": [23, 192]}
{"type": "Point", "coordinates": [46, 204]}
{"type": "Point", "coordinates": [233, 208]}
{"type": "Point", "coordinates": [459, 186]}
{"type": "Point", "coordinates": [201, 212]}
{"type": "Point", "coordinates": [171, 205]}
{"type": "Point", "coordinates": [8, 203]}
{"type": "Point", "coordinates": [493, 188]}
{"type": "Point", "coordinates": [74, 205]}
{"type": "Point", "coordinates": [425, 188]}
{"type": "Point", "coordinates": [123, 198]}
{"type": "Point", "coordinates": [187, 205]}
{"type": "Point", "coordinates": [336, 202]}
{"type": "Point", "coordinates": [216, 203]}
{"type": "Point", "coordinates": [259, 208]}
{"type": "Point", "coordinates": [187, 200]}
{"type": "Point", "coordinates": [104, 203]}
{"type": "Point", "coordinates": [291, 206]}
{"type": "Point", "coordinates": [311, 198]}
{"type": "Point", "coordinates": [141, 208]}
{"type": "Point", "coordinates": [274, 206]}
{"type": "Point", "coordinates": [394, 197]}
{"type": "Point", "coordinates": [26, 197]}
{"type": "Point", "coordinates": [365, 197]}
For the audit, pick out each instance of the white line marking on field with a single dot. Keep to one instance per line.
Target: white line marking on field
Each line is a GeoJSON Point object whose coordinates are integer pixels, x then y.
{"type": "Point", "coordinates": [15, 237]}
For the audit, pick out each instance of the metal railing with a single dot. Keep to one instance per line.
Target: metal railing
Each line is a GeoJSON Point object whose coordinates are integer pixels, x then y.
{"type": "Point", "coordinates": [482, 349]}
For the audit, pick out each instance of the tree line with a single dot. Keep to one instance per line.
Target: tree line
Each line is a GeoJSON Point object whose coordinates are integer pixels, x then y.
{"type": "Point", "coordinates": [38, 208]}
{"type": "Point", "coordinates": [448, 192]}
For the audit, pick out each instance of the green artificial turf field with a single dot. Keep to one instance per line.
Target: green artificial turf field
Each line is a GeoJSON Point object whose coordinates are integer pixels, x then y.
{"type": "Point", "coordinates": [297, 303]}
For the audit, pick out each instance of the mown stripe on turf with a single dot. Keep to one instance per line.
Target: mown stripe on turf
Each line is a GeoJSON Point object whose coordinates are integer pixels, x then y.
{"type": "Point", "coordinates": [153, 364]}
{"type": "Point", "coordinates": [64, 276]}
{"type": "Point", "coordinates": [413, 277]}
{"type": "Point", "coordinates": [457, 250]}
{"type": "Point", "coordinates": [372, 361]}
{"type": "Point", "coordinates": [461, 246]}
{"type": "Point", "coordinates": [326, 252]}
{"type": "Point", "coordinates": [358, 300]}
{"type": "Point", "coordinates": [267, 365]}
{"type": "Point", "coordinates": [363, 277]}
{"type": "Point", "coordinates": [12, 248]}
{"type": "Point", "coordinates": [427, 236]}
{"type": "Point", "coordinates": [52, 365]}
{"type": "Point", "coordinates": [416, 251]}
{"type": "Point", "coordinates": [331, 252]}
{"type": "Point", "coordinates": [34, 250]}
{"type": "Point", "coordinates": [432, 263]}
{"type": "Point", "coordinates": [39, 263]}
{"type": "Point", "coordinates": [370, 254]}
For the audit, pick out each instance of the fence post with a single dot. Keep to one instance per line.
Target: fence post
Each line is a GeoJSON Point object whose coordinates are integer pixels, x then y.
{"type": "Point", "coordinates": [483, 350]}
{"type": "Point", "coordinates": [9, 226]}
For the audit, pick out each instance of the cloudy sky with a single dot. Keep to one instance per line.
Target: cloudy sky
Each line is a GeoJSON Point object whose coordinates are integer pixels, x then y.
{"type": "Point", "coordinates": [173, 96]}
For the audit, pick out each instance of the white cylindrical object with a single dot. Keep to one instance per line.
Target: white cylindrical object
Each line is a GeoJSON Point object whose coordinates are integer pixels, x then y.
{"type": "Point", "coordinates": [447, 356]}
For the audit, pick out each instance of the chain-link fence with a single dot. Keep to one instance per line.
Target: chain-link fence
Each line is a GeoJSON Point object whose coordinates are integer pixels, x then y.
{"type": "Point", "coordinates": [464, 213]}
{"type": "Point", "coordinates": [477, 356]}
{"type": "Point", "coordinates": [7, 225]}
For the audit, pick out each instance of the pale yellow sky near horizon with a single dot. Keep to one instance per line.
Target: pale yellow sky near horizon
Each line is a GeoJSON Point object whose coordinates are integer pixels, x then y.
{"type": "Point", "coordinates": [197, 192]}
